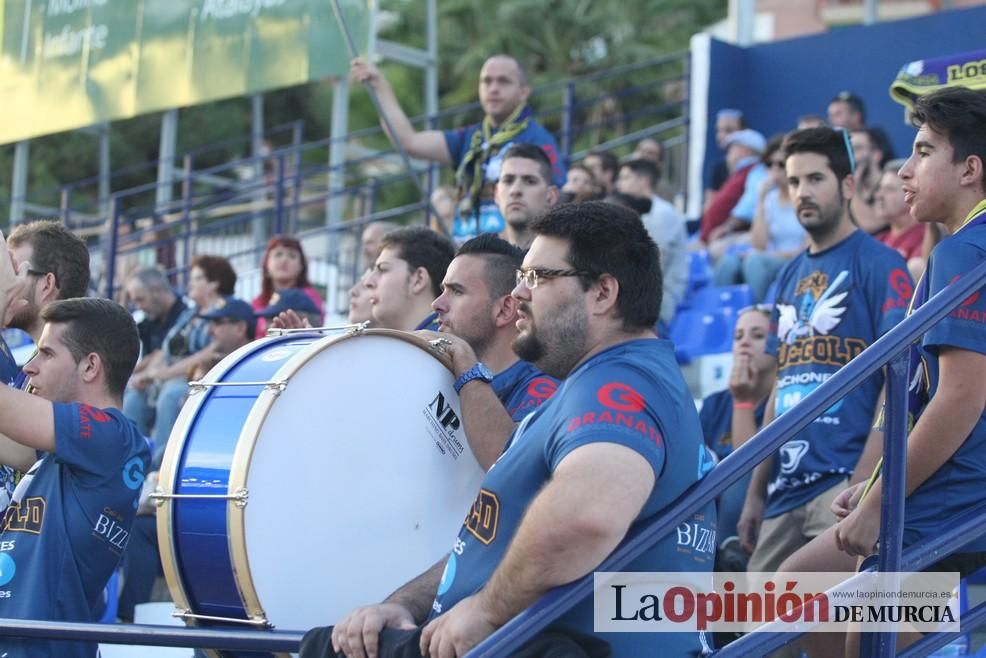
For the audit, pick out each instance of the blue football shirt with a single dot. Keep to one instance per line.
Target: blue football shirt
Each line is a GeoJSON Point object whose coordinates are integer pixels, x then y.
{"type": "Point", "coordinates": [488, 218]}
{"type": "Point", "coordinates": [69, 523]}
{"type": "Point", "coordinates": [830, 306]}
{"type": "Point", "coordinates": [957, 485]}
{"type": "Point", "coordinates": [522, 388]}
{"type": "Point", "coordinates": [633, 395]}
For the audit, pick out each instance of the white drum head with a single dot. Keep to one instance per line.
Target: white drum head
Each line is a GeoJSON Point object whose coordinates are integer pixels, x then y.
{"type": "Point", "coordinates": [359, 480]}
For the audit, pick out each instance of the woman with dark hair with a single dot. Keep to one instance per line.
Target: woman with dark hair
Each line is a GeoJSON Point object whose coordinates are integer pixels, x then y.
{"type": "Point", "coordinates": [284, 266]}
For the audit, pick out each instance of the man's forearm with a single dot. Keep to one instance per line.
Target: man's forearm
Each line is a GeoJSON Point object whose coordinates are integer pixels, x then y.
{"type": "Point", "coordinates": [418, 594]}
{"type": "Point", "coordinates": [487, 424]}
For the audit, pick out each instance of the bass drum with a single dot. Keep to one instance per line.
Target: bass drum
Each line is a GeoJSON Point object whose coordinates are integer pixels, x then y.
{"type": "Point", "coordinates": [308, 475]}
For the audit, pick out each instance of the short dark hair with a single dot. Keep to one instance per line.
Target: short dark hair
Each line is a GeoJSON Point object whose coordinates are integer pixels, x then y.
{"type": "Point", "coordinates": [102, 326]}
{"type": "Point", "coordinates": [56, 250]}
{"type": "Point", "coordinates": [880, 141]}
{"type": "Point", "coordinates": [958, 113]}
{"type": "Point", "coordinates": [831, 143]}
{"type": "Point", "coordinates": [532, 152]}
{"type": "Point", "coordinates": [521, 70]}
{"type": "Point", "coordinates": [646, 168]}
{"type": "Point", "coordinates": [607, 160]}
{"type": "Point", "coordinates": [774, 144]}
{"type": "Point", "coordinates": [218, 269]}
{"type": "Point", "coordinates": [638, 204]}
{"type": "Point", "coordinates": [502, 261]}
{"type": "Point", "coordinates": [422, 247]}
{"type": "Point", "coordinates": [854, 102]}
{"type": "Point", "coordinates": [605, 238]}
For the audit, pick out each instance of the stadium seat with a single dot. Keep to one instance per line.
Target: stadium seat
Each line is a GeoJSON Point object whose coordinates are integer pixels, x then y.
{"type": "Point", "coordinates": [696, 333]}
{"type": "Point", "coordinates": [699, 271]}
{"type": "Point", "coordinates": [713, 298]}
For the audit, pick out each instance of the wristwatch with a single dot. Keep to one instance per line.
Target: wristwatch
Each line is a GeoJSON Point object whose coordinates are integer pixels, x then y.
{"type": "Point", "coordinates": [478, 371]}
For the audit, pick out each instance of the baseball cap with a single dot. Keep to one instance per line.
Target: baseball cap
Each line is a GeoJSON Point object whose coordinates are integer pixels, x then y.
{"type": "Point", "coordinates": [230, 308]}
{"type": "Point", "coordinates": [294, 299]}
{"type": "Point", "coordinates": [749, 138]}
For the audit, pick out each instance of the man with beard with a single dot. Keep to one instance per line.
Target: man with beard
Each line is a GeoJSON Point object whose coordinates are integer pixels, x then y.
{"type": "Point", "coordinates": [833, 301]}
{"type": "Point", "coordinates": [618, 443]}
{"type": "Point", "coordinates": [524, 191]}
{"type": "Point", "coordinates": [57, 263]}
{"type": "Point", "coordinates": [477, 313]}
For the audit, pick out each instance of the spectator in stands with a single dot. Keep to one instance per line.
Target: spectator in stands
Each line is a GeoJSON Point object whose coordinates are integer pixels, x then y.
{"type": "Point", "coordinates": [730, 417]}
{"type": "Point", "coordinates": [360, 308]}
{"type": "Point", "coordinates": [776, 236]}
{"type": "Point", "coordinates": [524, 191]}
{"type": "Point", "coordinates": [666, 228]}
{"type": "Point", "coordinates": [580, 186]}
{"type": "Point", "coordinates": [58, 268]}
{"type": "Point", "coordinates": [811, 121]}
{"type": "Point", "coordinates": [729, 215]}
{"type": "Point", "coordinates": [406, 278]}
{"type": "Point", "coordinates": [294, 300]}
{"type": "Point", "coordinates": [372, 237]}
{"type": "Point", "coordinates": [604, 167]}
{"type": "Point", "coordinates": [833, 300]}
{"type": "Point", "coordinates": [185, 345]}
{"type": "Point", "coordinates": [648, 149]}
{"type": "Point", "coordinates": [152, 294]}
{"type": "Point", "coordinates": [475, 151]}
{"type": "Point", "coordinates": [905, 234]}
{"type": "Point", "coordinates": [284, 266]}
{"type": "Point", "coordinates": [443, 205]}
{"type": "Point", "coordinates": [869, 147]}
{"type": "Point", "coordinates": [846, 110]}
{"type": "Point", "coordinates": [728, 121]}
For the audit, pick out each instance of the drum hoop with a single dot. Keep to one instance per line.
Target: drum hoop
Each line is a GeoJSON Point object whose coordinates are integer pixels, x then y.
{"type": "Point", "coordinates": [243, 456]}
{"type": "Point", "coordinates": [169, 471]}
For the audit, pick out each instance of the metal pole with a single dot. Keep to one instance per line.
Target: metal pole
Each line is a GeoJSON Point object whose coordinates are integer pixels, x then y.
{"type": "Point", "coordinates": [166, 158]}
{"type": "Point", "coordinates": [257, 227]}
{"type": "Point", "coordinates": [870, 14]}
{"type": "Point", "coordinates": [104, 168]}
{"type": "Point", "coordinates": [567, 122]}
{"type": "Point", "coordinates": [335, 203]}
{"type": "Point", "coordinates": [431, 82]}
{"type": "Point", "coordinates": [111, 246]}
{"type": "Point", "coordinates": [18, 187]}
{"type": "Point", "coordinates": [745, 17]}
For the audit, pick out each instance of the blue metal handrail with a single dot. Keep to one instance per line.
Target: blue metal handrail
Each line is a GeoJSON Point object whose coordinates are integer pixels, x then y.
{"type": "Point", "coordinates": [525, 625]}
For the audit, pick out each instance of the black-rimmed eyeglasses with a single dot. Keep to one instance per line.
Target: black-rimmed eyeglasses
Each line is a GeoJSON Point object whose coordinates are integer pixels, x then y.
{"type": "Point", "coordinates": [532, 276]}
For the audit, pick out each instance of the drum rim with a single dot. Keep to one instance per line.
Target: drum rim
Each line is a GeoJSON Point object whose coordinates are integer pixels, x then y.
{"type": "Point", "coordinates": [168, 471]}
{"type": "Point", "coordinates": [242, 457]}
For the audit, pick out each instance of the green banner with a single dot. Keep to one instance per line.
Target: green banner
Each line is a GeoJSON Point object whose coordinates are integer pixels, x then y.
{"type": "Point", "coordinates": [67, 64]}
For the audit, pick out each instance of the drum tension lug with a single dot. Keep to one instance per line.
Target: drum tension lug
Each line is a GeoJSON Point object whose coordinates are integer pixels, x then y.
{"type": "Point", "coordinates": [240, 498]}
{"type": "Point", "coordinates": [277, 387]}
{"type": "Point", "coordinates": [357, 329]}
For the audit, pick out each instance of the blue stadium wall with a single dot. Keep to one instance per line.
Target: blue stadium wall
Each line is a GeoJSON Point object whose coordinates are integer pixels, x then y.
{"type": "Point", "coordinates": [775, 83]}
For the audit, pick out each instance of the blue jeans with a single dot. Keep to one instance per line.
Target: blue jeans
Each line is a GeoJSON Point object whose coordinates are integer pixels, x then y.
{"type": "Point", "coordinates": [170, 397]}
{"type": "Point", "coordinates": [137, 409]}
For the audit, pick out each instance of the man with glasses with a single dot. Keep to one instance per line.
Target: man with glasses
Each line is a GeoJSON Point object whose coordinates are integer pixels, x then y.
{"type": "Point", "coordinates": [618, 443]}
{"type": "Point", "coordinates": [833, 300]}
{"type": "Point", "coordinates": [57, 263]}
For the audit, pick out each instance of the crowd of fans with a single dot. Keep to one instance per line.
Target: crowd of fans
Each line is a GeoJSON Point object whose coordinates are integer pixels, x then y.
{"type": "Point", "coordinates": [763, 224]}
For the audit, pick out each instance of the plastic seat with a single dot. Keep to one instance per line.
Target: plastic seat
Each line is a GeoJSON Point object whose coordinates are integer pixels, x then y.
{"type": "Point", "coordinates": [714, 298]}
{"type": "Point", "coordinates": [696, 333]}
{"type": "Point", "coordinates": [699, 271]}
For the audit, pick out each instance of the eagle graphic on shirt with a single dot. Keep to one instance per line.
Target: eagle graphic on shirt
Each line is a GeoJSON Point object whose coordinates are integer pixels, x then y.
{"type": "Point", "coordinates": [817, 309]}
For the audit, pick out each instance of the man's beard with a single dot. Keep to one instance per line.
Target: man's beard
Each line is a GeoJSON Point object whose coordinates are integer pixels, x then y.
{"type": "Point", "coordinates": [557, 348]}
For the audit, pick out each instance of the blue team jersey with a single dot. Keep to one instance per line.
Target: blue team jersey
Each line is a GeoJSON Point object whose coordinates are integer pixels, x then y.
{"type": "Point", "coordinates": [430, 323]}
{"type": "Point", "coordinates": [830, 306]}
{"type": "Point", "coordinates": [632, 395]}
{"type": "Point", "coordinates": [716, 418]}
{"type": "Point", "coordinates": [489, 219]}
{"type": "Point", "coordinates": [65, 531]}
{"type": "Point", "coordinates": [522, 388]}
{"type": "Point", "coordinates": [958, 484]}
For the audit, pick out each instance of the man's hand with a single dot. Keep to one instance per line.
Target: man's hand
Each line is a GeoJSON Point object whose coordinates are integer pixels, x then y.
{"type": "Point", "coordinates": [12, 284]}
{"type": "Point", "coordinates": [366, 73]}
{"type": "Point", "coordinates": [357, 634]}
{"type": "Point", "coordinates": [289, 320]}
{"type": "Point", "coordinates": [720, 231]}
{"type": "Point", "coordinates": [748, 526]}
{"type": "Point", "coordinates": [743, 380]}
{"type": "Point", "coordinates": [859, 532]}
{"type": "Point", "coordinates": [458, 630]}
{"type": "Point", "coordinates": [847, 501]}
{"type": "Point", "coordinates": [462, 355]}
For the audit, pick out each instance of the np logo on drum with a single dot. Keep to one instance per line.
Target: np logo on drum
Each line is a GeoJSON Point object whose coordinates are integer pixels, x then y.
{"type": "Point", "coordinates": [444, 423]}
